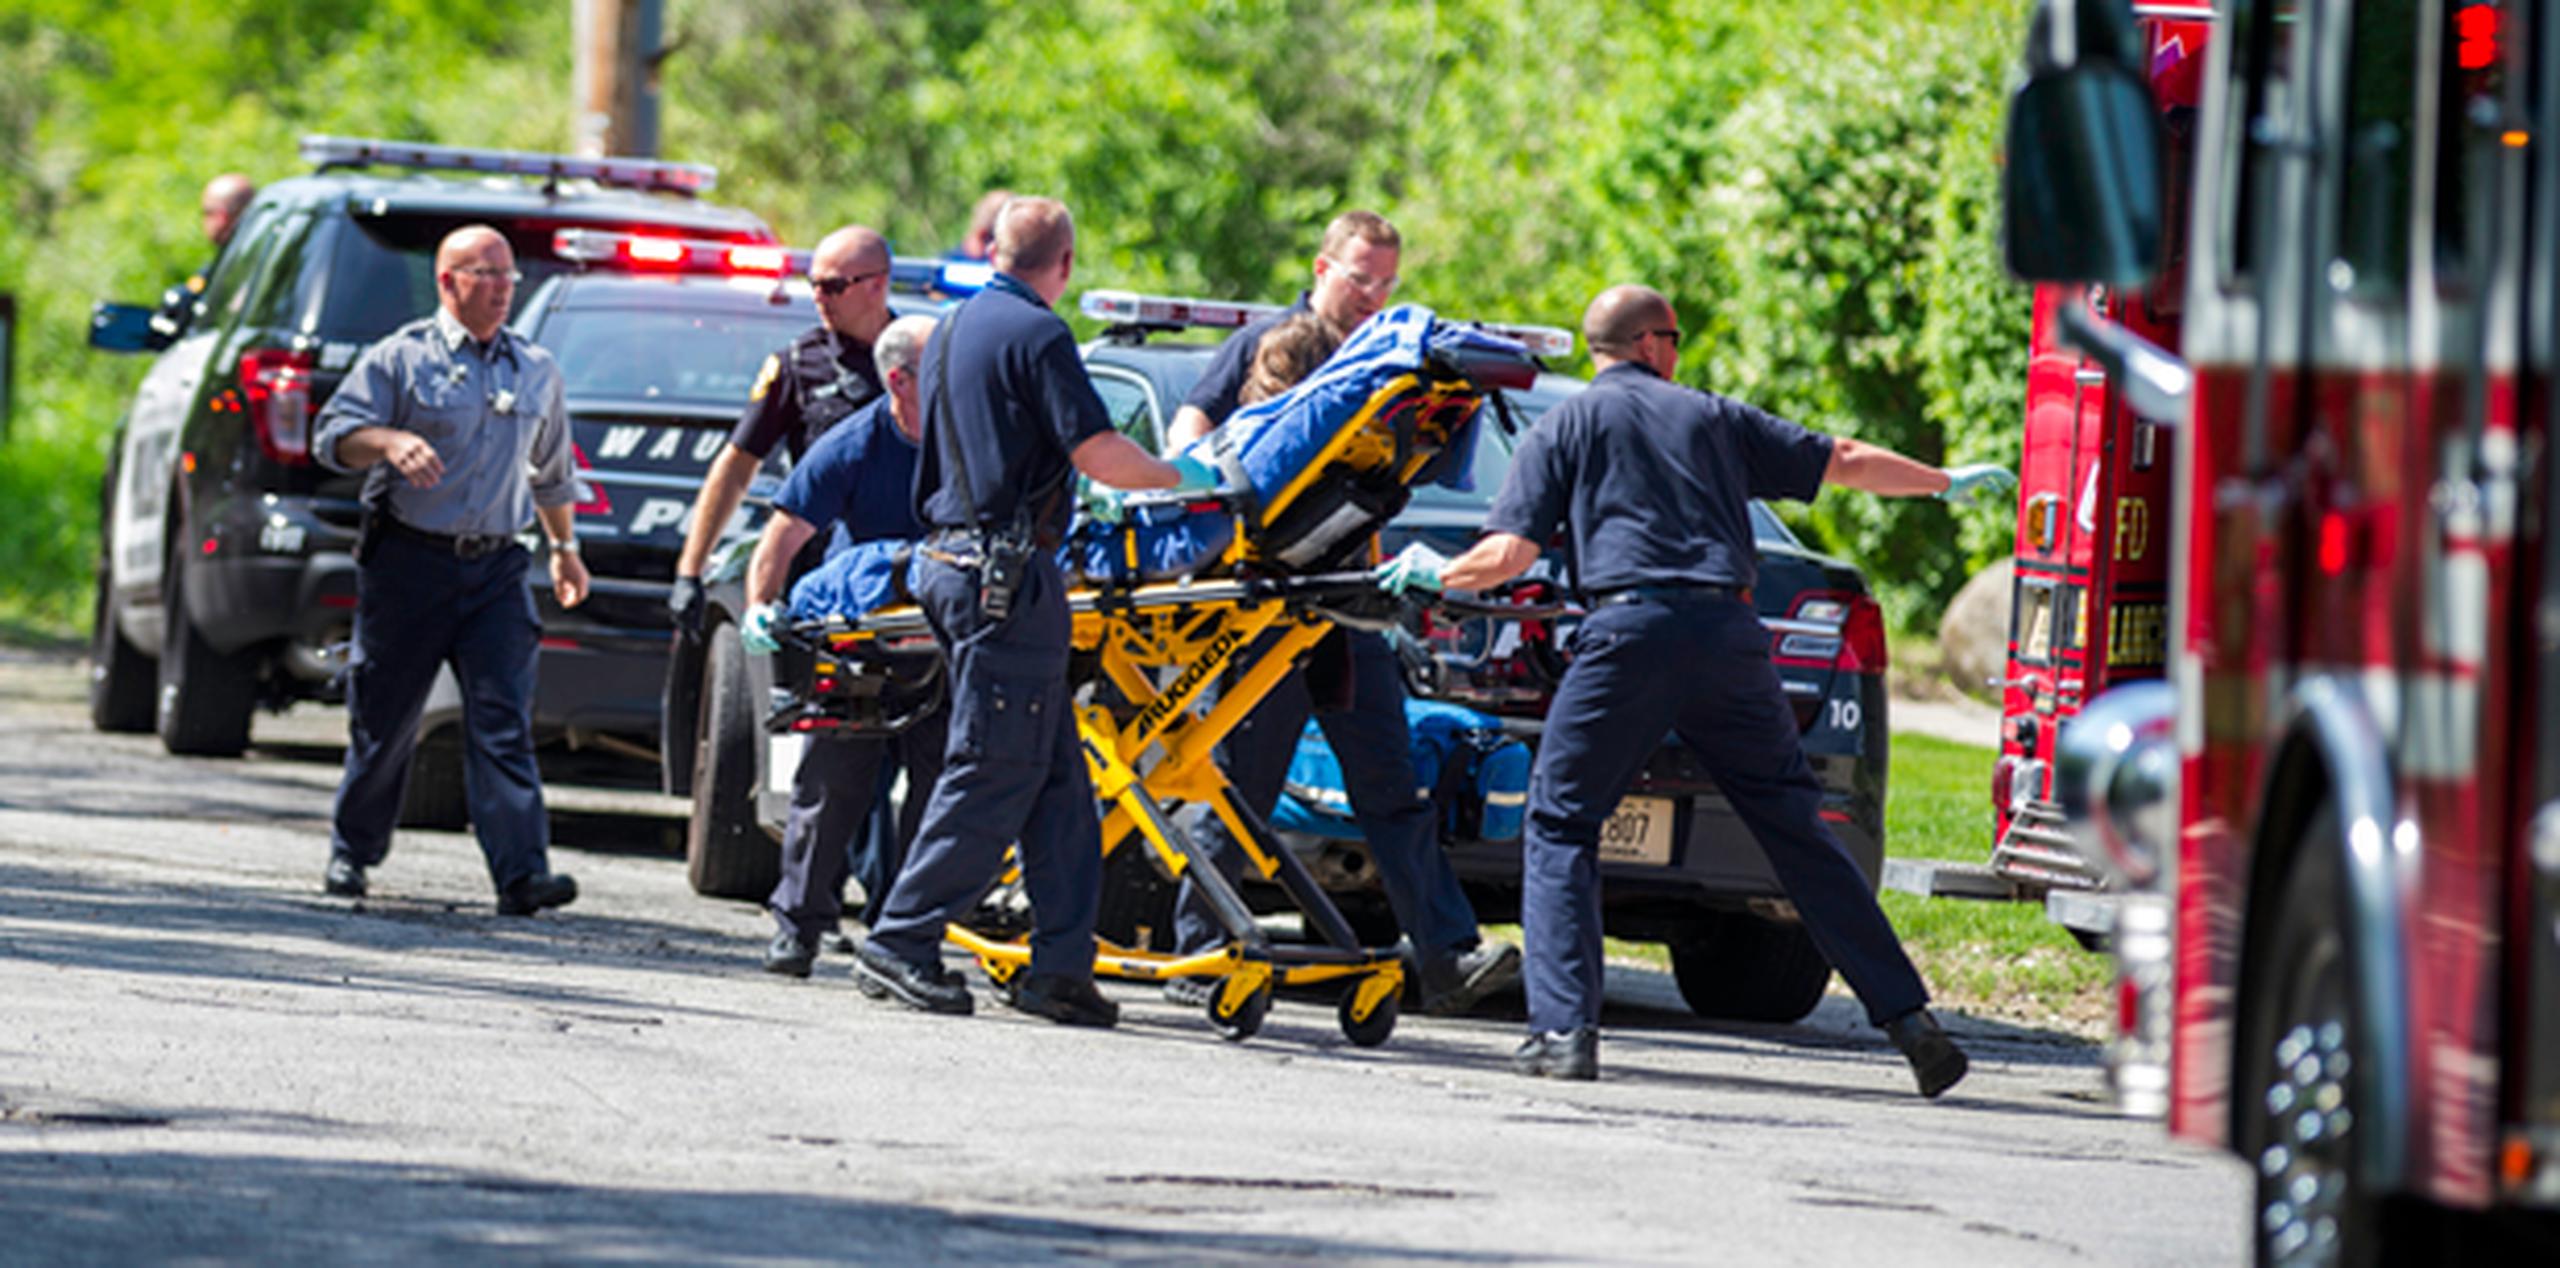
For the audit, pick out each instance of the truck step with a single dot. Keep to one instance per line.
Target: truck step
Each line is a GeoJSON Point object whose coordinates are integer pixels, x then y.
{"type": "Point", "coordinates": [1946, 878]}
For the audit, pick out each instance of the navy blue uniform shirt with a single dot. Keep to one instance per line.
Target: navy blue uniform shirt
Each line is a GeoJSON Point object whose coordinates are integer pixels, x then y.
{"type": "Point", "coordinates": [1018, 403]}
{"type": "Point", "coordinates": [1654, 481]}
{"type": "Point", "coordinates": [859, 477]}
{"type": "Point", "coordinates": [1219, 386]}
{"type": "Point", "coordinates": [803, 390]}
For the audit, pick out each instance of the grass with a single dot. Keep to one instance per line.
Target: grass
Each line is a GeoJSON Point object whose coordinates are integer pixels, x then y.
{"type": "Point", "coordinates": [2001, 961]}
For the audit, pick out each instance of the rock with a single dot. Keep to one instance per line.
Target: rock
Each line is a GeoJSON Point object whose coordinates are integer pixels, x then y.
{"type": "Point", "coordinates": [1974, 635]}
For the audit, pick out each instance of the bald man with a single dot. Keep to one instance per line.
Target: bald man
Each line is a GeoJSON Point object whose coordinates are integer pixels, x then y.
{"type": "Point", "coordinates": [1009, 418]}
{"type": "Point", "coordinates": [820, 379]}
{"type": "Point", "coordinates": [457, 426]}
{"type": "Point", "coordinates": [225, 197]}
{"type": "Point", "coordinates": [1653, 481]}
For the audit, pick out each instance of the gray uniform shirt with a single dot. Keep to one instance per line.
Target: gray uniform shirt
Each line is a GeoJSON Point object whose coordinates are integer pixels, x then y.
{"type": "Point", "coordinates": [493, 412]}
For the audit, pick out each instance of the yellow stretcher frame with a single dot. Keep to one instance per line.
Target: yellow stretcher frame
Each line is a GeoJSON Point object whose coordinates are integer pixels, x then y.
{"type": "Point", "coordinates": [1160, 646]}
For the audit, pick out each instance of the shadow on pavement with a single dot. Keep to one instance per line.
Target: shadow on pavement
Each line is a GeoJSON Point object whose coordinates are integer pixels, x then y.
{"type": "Point", "coordinates": [157, 1205]}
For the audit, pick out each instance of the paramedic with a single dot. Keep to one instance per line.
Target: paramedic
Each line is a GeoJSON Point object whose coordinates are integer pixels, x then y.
{"type": "Point", "coordinates": [1009, 416]}
{"type": "Point", "coordinates": [1355, 273]}
{"type": "Point", "coordinates": [1652, 481]}
{"type": "Point", "coordinates": [853, 481]}
{"type": "Point", "coordinates": [459, 430]}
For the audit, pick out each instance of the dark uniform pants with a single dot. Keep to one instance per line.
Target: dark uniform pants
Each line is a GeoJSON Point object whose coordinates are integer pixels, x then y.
{"type": "Point", "coordinates": [1374, 748]}
{"type": "Point", "coordinates": [1013, 772]}
{"type": "Point", "coordinates": [418, 608]}
{"type": "Point", "coordinates": [1697, 668]}
{"type": "Point", "coordinates": [834, 792]}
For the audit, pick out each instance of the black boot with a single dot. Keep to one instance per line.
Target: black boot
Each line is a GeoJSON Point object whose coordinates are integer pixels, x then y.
{"type": "Point", "coordinates": [1935, 1059]}
{"type": "Point", "coordinates": [1560, 1054]}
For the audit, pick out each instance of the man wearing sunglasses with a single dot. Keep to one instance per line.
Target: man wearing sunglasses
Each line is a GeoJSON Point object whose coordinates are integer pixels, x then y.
{"type": "Point", "coordinates": [1651, 482]}
{"type": "Point", "coordinates": [822, 378]}
{"type": "Point", "coordinates": [1356, 674]}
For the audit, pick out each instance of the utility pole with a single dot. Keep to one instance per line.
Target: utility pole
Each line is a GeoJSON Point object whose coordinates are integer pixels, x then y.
{"type": "Point", "coordinates": [617, 76]}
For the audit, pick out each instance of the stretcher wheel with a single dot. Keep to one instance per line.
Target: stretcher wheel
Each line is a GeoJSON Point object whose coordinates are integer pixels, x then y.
{"type": "Point", "coordinates": [1372, 1030]}
{"type": "Point", "coordinates": [1246, 1021]}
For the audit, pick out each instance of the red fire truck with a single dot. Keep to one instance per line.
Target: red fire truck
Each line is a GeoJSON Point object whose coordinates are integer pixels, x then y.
{"type": "Point", "coordinates": [2336, 815]}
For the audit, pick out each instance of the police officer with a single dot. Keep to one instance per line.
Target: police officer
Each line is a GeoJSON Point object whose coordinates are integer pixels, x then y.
{"type": "Point", "coordinates": [820, 380]}
{"type": "Point", "coordinates": [1009, 416]}
{"type": "Point", "coordinates": [1355, 274]}
{"type": "Point", "coordinates": [445, 416]}
{"type": "Point", "coordinates": [856, 481]}
{"type": "Point", "coordinates": [1652, 480]}
{"type": "Point", "coordinates": [224, 198]}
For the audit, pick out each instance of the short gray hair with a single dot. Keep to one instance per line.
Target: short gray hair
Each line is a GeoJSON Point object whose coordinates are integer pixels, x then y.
{"type": "Point", "coordinates": [901, 346]}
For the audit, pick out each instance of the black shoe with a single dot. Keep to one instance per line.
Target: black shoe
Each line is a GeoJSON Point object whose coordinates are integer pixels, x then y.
{"type": "Point", "coordinates": [1190, 992]}
{"type": "Point", "coordinates": [1559, 1054]}
{"type": "Point", "coordinates": [345, 878]}
{"type": "Point", "coordinates": [1934, 1057]}
{"type": "Point", "coordinates": [790, 955]}
{"type": "Point", "coordinates": [1452, 984]}
{"type": "Point", "coordinates": [839, 942]}
{"type": "Point", "coordinates": [536, 892]}
{"type": "Point", "coordinates": [1068, 1001]}
{"type": "Point", "coordinates": [926, 988]}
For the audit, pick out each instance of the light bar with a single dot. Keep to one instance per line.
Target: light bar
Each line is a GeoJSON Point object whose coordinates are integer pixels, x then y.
{"type": "Point", "coordinates": [1544, 341]}
{"type": "Point", "coordinates": [658, 253]}
{"type": "Point", "coordinates": [1128, 308]}
{"type": "Point", "coordinates": [325, 152]}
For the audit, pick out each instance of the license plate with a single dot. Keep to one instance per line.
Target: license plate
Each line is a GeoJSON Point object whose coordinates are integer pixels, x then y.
{"type": "Point", "coordinates": [1639, 831]}
{"type": "Point", "coordinates": [782, 761]}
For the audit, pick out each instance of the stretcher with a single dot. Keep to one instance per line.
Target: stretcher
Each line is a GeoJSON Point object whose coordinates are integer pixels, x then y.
{"type": "Point", "coordinates": [1188, 612]}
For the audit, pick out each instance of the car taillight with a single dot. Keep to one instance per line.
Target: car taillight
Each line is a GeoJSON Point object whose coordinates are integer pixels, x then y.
{"type": "Point", "coordinates": [2004, 776]}
{"type": "Point", "coordinates": [275, 392]}
{"type": "Point", "coordinates": [1854, 640]}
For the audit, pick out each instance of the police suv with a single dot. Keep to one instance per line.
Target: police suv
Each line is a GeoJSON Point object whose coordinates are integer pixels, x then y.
{"type": "Point", "coordinates": [1679, 867]}
{"type": "Point", "coordinates": [224, 579]}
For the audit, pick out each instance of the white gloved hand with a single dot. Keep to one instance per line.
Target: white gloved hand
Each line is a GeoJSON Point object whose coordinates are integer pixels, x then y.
{"type": "Point", "coordinates": [1416, 567]}
{"type": "Point", "coordinates": [1193, 475]}
{"type": "Point", "coordinates": [756, 631]}
{"type": "Point", "coordinates": [1981, 478]}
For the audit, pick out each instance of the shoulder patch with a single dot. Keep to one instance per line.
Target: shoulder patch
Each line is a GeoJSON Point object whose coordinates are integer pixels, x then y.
{"type": "Point", "coordinates": [765, 377]}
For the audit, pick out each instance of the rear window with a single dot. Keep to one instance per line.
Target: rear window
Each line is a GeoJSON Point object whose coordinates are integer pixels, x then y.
{"type": "Point", "coordinates": [659, 354]}
{"type": "Point", "coordinates": [382, 272]}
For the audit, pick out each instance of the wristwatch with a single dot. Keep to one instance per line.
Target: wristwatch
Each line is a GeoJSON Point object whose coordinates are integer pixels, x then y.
{"type": "Point", "coordinates": [568, 546]}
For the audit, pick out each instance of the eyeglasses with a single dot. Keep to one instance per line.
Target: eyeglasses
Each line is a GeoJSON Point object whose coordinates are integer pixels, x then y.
{"type": "Point", "coordinates": [1373, 285]}
{"type": "Point", "coordinates": [485, 271]}
{"type": "Point", "coordinates": [834, 286]}
{"type": "Point", "coordinates": [1671, 334]}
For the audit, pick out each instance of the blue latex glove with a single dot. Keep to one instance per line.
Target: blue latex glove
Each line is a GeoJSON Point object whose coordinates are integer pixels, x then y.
{"type": "Point", "coordinates": [1416, 567]}
{"type": "Point", "coordinates": [1101, 505]}
{"type": "Point", "coordinates": [1982, 478]}
{"type": "Point", "coordinates": [1194, 475]}
{"type": "Point", "coordinates": [756, 631]}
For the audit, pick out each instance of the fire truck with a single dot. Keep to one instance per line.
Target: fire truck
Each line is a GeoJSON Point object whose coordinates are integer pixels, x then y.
{"type": "Point", "coordinates": [2328, 290]}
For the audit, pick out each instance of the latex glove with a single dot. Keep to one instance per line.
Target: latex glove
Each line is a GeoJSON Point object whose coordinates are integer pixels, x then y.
{"type": "Point", "coordinates": [1416, 567]}
{"type": "Point", "coordinates": [1194, 475]}
{"type": "Point", "coordinates": [685, 602]}
{"type": "Point", "coordinates": [756, 631]}
{"type": "Point", "coordinates": [1101, 505]}
{"type": "Point", "coordinates": [1966, 483]}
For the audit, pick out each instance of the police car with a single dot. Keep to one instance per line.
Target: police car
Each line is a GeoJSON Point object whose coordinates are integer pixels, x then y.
{"type": "Point", "coordinates": [1681, 869]}
{"type": "Point", "coordinates": [225, 581]}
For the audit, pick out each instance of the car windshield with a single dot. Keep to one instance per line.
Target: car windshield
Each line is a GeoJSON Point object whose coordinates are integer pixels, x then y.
{"type": "Point", "coordinates": [666, 354]}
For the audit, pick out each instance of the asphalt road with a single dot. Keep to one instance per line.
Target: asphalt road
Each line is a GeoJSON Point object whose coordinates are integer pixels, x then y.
{"type": "Point", "coordinates": [203, 1058]}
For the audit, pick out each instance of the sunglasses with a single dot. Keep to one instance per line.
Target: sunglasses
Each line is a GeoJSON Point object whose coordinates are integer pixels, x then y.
{"type": "Point", "coordinates": [834, 286]}
{"type": "Point", "coordinates": [1672, 335]}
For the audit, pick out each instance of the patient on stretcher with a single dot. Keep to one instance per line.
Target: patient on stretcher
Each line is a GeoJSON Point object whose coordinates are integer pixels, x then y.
{"type": "Point", "coordinates": [1308, 491]}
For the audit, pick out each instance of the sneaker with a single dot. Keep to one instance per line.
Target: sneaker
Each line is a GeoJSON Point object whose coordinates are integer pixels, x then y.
{"type": "Point", "coordinates": [790, 955]}
{"type": "Point", "coordinates": [1190, 992]}
{"type": "Point", "coordinates": [1559, 1054]}
{"type": "Point", "coordinates": [533, 893]}
{"type": "Point", "coordinates": [1068, 1001]}
{"type": "Point", "coordinates": [345, 878]}
{"type": "Point", "coordinates": [1935, 1059]}
{"type": "Point", "coordinates": [880, 974]}
{"type": "Point", "coordinates": [1452, 984]}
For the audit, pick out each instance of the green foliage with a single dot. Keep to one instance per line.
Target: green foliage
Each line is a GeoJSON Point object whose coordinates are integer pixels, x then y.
{"type": "Point", "coordinates": [1813, 183]}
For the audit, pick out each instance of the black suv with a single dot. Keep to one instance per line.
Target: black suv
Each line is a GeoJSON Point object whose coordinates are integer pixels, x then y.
{"type": "Point", "coordinates": [224, 579]}
{"type": "Point", "coordinates": [1680, 869]}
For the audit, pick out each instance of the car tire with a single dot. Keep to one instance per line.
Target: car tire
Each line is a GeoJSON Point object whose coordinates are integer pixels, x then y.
{"type": "Point", "coordinates": [121, 678]}
{"type": "Point", "coordinates": [437, 794]}
{"type": "Point", "coordinates": [206, 697]}
{"type": "Point", "coordinates": [726, 853]}
{"type": "Point", "coordinates": [1745, 968]}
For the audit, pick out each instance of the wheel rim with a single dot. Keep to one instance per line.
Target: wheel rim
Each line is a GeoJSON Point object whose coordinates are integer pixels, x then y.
{"type": "Point", "coordinates": [2307, 1108]}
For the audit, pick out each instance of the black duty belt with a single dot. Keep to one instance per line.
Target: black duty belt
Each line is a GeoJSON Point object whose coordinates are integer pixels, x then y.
{"type": "Point", "coordinates": [459, 545]}
{"type": "Point", "coordinates": [1670, 592]}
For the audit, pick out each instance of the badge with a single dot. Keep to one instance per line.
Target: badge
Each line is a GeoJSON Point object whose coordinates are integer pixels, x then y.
{"type": "Point", "coordinates": [765, 377]}
{"type": "Point", "coordinates": [505, 401]}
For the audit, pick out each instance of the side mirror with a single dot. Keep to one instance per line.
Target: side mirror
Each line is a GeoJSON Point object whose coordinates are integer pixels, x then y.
{"type": "Point", "coordinates": [2082, 190]}
{"type": "Point", "coordinates": [122, 328]}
